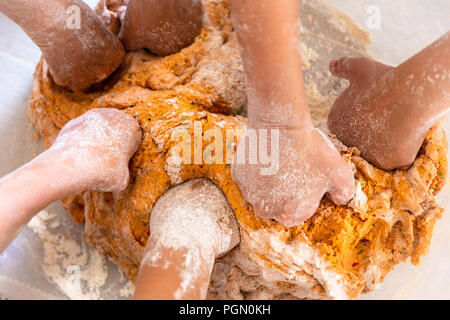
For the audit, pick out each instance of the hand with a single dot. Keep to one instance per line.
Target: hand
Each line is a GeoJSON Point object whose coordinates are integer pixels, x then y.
{"type": "Point", "coordinates": [386, 112]}
{"type": "Point", "coordinates": [162, 27]}
{"type": "Point", "coordinates": [374, 132]}
{"type": "Point", "coordinates": [78, 56]}
{"type": "Point", "coordinates": [309, 167]}
{"type": "Point", "coordinates": [91, 152]}
{"type": "Point", "coordinates": [98, 147]}
{"type": "Point", "coordinates": [190, 226]}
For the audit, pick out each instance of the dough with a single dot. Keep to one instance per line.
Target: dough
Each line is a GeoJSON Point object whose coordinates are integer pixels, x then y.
{"type": "Point", "coordinates": [338, 253]}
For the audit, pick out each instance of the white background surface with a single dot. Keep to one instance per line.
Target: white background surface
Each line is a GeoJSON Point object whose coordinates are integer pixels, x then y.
{"type": "Point", "coordinates": [407, 26]}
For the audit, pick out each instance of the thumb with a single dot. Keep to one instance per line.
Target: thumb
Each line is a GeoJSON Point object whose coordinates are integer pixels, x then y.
{"type": "Point", "coordinates": [342, 67]}
{"type": "Point", "coordinates": [360, 68]}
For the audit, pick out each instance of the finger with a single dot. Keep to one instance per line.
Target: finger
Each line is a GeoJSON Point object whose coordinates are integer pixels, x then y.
{"type": "Point", "coordinates": [343, 185]}
{"type": "Point", "coordinates": [125, 124]}
{"type": "Point", "coordinates": [117, 183]}
{"type": "Point", "coordinates": [124, 182]}
{"type": "Point", "coordinates": [361, 68]}
{"type": "Point", "coordinates": [262, 212]}
{"type": "Point", "coordinates": [341, 67]}
{"type": "Point", "coordinates": [297, 211]}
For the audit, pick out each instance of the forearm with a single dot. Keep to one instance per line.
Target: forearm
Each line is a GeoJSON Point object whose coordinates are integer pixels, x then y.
{"type": "Point", "coordinates": [180, 274]}
{"type": "Point", "coordinates": [76, 45]}
{"type": "Point", "coordinates": [426, 77]}
{"type": "Point", "coordinates": [269, 34]}
{"type": "Point", "coordinates": [80, 159]}
{"type": "Point", "coordinates": [40, 18]}
{"type": "Point", "coordinates": [28, 190]}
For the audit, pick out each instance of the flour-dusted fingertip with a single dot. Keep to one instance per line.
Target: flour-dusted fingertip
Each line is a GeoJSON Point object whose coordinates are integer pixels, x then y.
{"type": "Point", "coordinates": [343, 192]}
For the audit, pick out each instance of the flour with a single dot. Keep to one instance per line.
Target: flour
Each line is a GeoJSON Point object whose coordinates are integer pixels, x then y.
{"type": "Point", "coordinates": [182, 230]}
{"type": "Point", "coordinates": [121, 12]}
{"type": "Point", "coordinates": [308, 55]}
{"type": "Point", "coordinates": [127, 290]}
{"type": "Point", "coordinates": [76, 269]}
{"type": "Point", "coordinates": [99, 145]}
{"type": "Point", "coordinates": [223, 72]}
{"type": "Point", "coordinates": [359, 202]}
{"type": "Point", "coordinates": [173, 166]}
{"type": "Point", "coordinates": [107, 15]}
{"type": "Point", "coordinates": [195, 218]}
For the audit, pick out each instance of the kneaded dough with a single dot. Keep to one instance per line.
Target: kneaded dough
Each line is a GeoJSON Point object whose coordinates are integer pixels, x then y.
{"type": "Point", "coordinates": [338, 253]}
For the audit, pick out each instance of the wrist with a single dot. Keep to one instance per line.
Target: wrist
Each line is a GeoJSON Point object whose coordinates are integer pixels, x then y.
{"type": "Point", "coordinates": [287, 132]}
{"type": "Point", "coordinates": [185, 241]}
{"type": "Point", "coordinates": [294, 123]}
{"type": "Point", "coordinates": [60, 173]}
{"type": "Point", "coordinates": [278, 115]}
{"type": "Point", "coordinates": [30, 188]}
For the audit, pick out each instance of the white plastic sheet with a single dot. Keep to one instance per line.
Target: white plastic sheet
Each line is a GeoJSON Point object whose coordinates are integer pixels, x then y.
{"type": "Point", "coordinates": [406, 29]}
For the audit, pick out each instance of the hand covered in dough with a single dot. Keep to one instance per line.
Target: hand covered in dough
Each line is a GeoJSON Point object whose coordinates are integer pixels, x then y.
{"type": "Point", "coordinates": [91, 152]}
{"type": "Point", "coordinates": [77, 47]}
{"type": "Point", "coordinates": [190, 226]}
{"type": "Point", "coordinates": [309, 167]}
{"type": "Point", "coordinates": [268, 33]}
{"type": "Point", "coordinates": [373, 132]}
{"type": "Point", "coordinates": [386, 111]}
{"type": "Point", "coordinates": [97, 148]}
{"type": "Point", "coordinates": [162, 27]}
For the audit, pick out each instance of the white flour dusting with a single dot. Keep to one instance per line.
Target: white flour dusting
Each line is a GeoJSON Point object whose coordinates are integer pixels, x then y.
{"type": "Point", "coordinates": [99, 143]}
{"type": "Point", "coordinates": [186, 216]}
{"type": "Point", "coordinates": [78, 270]}
{"type": "Point", "coordinates": [127, 290]}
